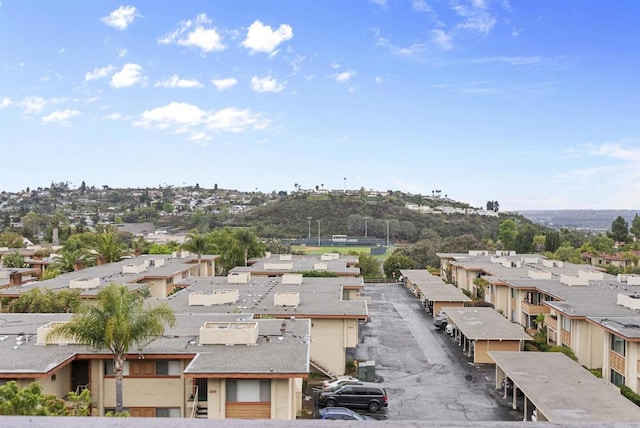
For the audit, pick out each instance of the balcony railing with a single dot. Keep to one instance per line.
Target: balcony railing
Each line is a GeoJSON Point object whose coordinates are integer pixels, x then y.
{"type": "Point", "coordinates": [532, 309]}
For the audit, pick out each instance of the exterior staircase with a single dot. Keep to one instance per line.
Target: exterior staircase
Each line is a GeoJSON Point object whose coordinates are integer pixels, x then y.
{"type": "Point", "coordinates": [322, 369]}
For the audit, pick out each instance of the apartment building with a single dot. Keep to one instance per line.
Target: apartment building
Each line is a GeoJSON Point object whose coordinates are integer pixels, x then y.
{"type": "Point", "coordinates": [274, 265]}
{"type": "Point", "coordinates": [334, 318]}
{"type": "Point", "coordinates": [211, 366]}
{"type": "Point", "coordinates": [585, 309]}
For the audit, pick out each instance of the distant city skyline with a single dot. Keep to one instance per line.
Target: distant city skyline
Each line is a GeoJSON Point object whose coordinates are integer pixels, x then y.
{"type": "Point", "coordinates": [532, 104]}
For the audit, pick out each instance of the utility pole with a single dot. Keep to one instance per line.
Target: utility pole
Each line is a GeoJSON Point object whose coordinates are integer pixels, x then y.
{"type": "Point", "coordinates": [345, 185]}
{"type": "Point", "coordinates": [318, 232]}
{"type": "Point", "coordinates": [309, 219]}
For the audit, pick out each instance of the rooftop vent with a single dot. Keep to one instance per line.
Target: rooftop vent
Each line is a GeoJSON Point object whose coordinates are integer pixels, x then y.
{"type": "Point", "coordinates": [239, 278]}
{"type": "Point", "coordinates": [84, 283]}
{"type": "Point", "coordinates": [286, 298]}
{"type": "Point", "coordinates": [42, 334]}
{"type": "Point", "coordinates": [229, 333]}
{"type": "Point", "coordinates": [292, 278]}
{"type": "Point", "coordinates": [133, 268]}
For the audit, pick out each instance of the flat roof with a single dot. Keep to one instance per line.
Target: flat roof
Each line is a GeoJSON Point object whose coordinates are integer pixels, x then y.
{"type": "Point", "coordinates": [282, 346]}
{"type": "Point", "coordinates": [563, 391]}
{"type": "Point", "coordinates": [319, 297]}
{"type": "Point", "coordinates": [442, 292]}
{"type": "Point", "coordinates": [484, 323]}
{"type": "Point", "coordinates": [341, 265]}
{"type": "Point", "coordinates": [420, 275]}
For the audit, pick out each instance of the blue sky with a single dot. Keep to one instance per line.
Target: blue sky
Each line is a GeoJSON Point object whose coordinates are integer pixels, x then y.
{"type": "Point", "coordinates": [535, 104]}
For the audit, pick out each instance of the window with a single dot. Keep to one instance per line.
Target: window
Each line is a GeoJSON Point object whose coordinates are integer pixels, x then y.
{"type": "Point", "coordinates": [616, 378]}
{"type": "Point", "coordinates": [513, 293]}
{"type": "Point", "coordinates": [566, 323]}
{"type": "Point", "coordinates": [146, 368]}
{"type": "Point", "coordinates": [171, 412]}
{"type": "Point", "coordinates": [248, 391]}
{"type": "Point", "coordinates": [618, 345]}
{"type": "Point", "coordinates": [108, 368]}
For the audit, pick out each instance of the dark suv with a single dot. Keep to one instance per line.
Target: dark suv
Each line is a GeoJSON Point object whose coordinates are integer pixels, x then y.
{"type": "Point", "coordinates": [367, 395]}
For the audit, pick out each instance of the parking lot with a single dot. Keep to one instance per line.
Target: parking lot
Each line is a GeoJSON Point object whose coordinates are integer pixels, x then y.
{"type": "Point", "coordinates": [424, 371]}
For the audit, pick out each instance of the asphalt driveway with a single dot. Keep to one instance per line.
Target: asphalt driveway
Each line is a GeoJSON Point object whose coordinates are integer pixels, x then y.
{"type": "Point", "coordinates": [425, 372]}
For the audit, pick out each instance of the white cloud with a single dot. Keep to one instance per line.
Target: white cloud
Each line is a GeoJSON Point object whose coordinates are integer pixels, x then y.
{"type": "Point", "coordinates": [421, 6]}
{"type": "Point", "coordinates": [196, 34]}
{"type": "Point", "coordinates": [183, 118]}
{"type": "Point", "coordinates": [379, 79]}
{"type": "Point", "coordinates": [261, 38]}
{"type": "Point", "coordinates": [129, 75]}
{"type": "Point", "coordinates": [121, 18]}
{"type": "Point", "coordinates": [176, 82]}
{"type": "Point", "coordinates": [515, 31]}
{"type": "Point", "coordinates": [476, 18]}
{"type": "Point", "coordinates": [115, 116]}
{"type": "Point", "coordinates": [6, 102]}
{"type": "Point", "coordinates": [511, 60]}
{"type": "Point", "coordinates": [122, 52]}
{"type": "Point", "coordinates": [413, 49]}
{"type": "Point", "coordinates": [99, 73]}
{"type": "Point", "coordinates": [442, 39]}
{"type": "Point", "coordinates": [61, 51]}
{"type": "Point", "coordinates": [627, 150]}
{"type": "Point", "coordinates": [223, 84]}
{"type": "Point", "coordinates": [345, 76]}
{"type": "Point", "coordinates": [266, 84]}
{"type": "Point", "coordinates": [33, 105]}
{"type": "Point", "coordinates": [62, 117]}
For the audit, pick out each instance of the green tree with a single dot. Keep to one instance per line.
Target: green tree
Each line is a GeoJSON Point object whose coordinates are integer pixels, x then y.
{"type": "Point", "coordinates": [117, 322]}
{"type": "Point", "coordinates": [47, 301]}
{"type": "Point", "coordinates": [199, 244]}
{"type": "Point", "coordinates": [369, 266]}
{"type": "Point", "coordinates": [13, 260]}
{"type": "Point", "coordinates": [108, 246]}
{"type": "Point", "coordinates": [72, 260]}
{"type": "Point", "coordinates": [11, 240]}
{"type": "Point", "coordinates": [29, 401]}
{"type": "Point", "coordinates": [507, 232]}
{"type": "Point", "coordinates": [635, 227]}
{"type": "Point", "coordinates": [620, 229]}
{"type": "Point", "coordinates": [394, 263]}
{"type": "Point", "coordinates": [249, 244]}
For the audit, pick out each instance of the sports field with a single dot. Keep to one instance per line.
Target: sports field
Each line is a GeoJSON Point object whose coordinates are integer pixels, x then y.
{"type": "Point", "coordinates": [342, 250]}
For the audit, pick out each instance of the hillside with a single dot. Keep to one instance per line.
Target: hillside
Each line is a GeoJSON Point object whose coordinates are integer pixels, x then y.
{"type": "Point", "coordinates": [345, 214]}
{"type": "Point", "coordinates": [597, 220]}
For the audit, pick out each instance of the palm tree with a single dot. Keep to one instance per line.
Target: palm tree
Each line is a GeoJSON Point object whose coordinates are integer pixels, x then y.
{"type": "Point", "coordinates": [108, 247]}
{"type": "Point", "coordinates": [116, 323]}
{"type": "Point", "coordinates": [199, 244]}
{"type": "Point", "coordinates": [246, 240]}
{"type": "Point", "coordinates": [69, 260]}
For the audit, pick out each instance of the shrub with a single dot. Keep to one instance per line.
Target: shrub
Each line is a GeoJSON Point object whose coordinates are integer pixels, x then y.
{"type": "Point", "coordinates": [565, 350]}
{"type": "Point", "coordinates": [629, 394]}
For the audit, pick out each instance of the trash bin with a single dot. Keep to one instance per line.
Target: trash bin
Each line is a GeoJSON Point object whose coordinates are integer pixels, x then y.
{"type": "Point", "coordinates": [367, 371]}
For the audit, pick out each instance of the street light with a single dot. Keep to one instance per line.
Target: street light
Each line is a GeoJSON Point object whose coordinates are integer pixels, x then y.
{"type": "Point", "coordinates": [318, 232]}
{"type": "Point", "coordinates": [309, 219]}
{"type": "Point", "coordinates": [345, 185]}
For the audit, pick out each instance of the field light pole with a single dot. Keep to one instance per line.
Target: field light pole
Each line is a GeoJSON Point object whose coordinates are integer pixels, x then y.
{"type": "Point", "coordinates": [318, 232]}
{"type": "Point", "coordinates": [365, 227]}
{"type": "Point", "coordinates": [309, 219]}
{"type": "Point", "coordinates": [387, 232]}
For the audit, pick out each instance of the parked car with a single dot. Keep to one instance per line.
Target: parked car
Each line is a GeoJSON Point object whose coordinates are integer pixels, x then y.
{"type": "Point", "coordinates": [440, 319]}
{"type": "Point", "coordinates": [343, 414]}
{"type": "Point", "coordinates": [339, 381]}
{"type": "Point", "coordinates": [368, 395]}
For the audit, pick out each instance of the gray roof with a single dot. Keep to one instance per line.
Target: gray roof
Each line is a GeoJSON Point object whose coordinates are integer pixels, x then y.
{"type": "Point", "coordinates": [111, 273]}
{"type": "Point", "coordinates": [319, 297]}
{"type": "Point", "coordinates": [274, 352]}
{"type": "Point", "coordinates": [442, 292]}
{"type": "Point", "coordinates": [484, 323]}
{"type": "Point", "coordinates": [564, 392]}
{"type": "Point", "coordinates": [341, 266]}
{"type": "Point", "coordinates": [420, 275]}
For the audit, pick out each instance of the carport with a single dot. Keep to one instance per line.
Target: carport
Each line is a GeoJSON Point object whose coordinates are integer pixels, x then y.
{"type": "Point", "coordinates": [482, 329]}
{"type": "Point", "coordinates": [412, 277]}
{"type": "Point", "coordinates": [560, 390]}
{"type": "Point", "coordinates": [436, 296]}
